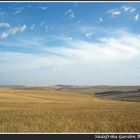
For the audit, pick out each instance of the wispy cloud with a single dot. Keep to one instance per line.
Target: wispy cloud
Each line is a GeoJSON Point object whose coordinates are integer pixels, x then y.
{"type": "Point", "coordinates": [75, 56]}
{"type": "Point", "coordinates": [114, 12]}
{"type": "Point", "coordinates": [46, 28]}
{"type": "Point", "coordinates": [42, 23]}
{"type": "Point", "coordinates": [112, 49]}
{"type": "Point", "coordinates": [121, 10]}
{"type": "Point", "coordinates": [31, 61]}
{"type": "Point", "coordinates": [128, 9]}
{"type": "Point", "coordinates": [100, 19]}
{"type": "Point", "coordinates": [32, 27]}
{"type": "Point", "coordinates": [136, 17]}
{"type": "Point", "coordinates": [89, 34]}
{"type": "Point", "coordinates": [18, 10]}
{"type": "Point", "coordinates": [57, 49]}
{"type": "Point", "coordinates": [76, 3]}
{"type": "Point", "coordinates": [4, 25]}
{"type": "Point", "coordinates": [132, 10]}
{"type": "Point", "coordinates": [12, 31]}
{"type": "Point", "coordinates": [125, 47]}
{"type": "Point", "coordinates": [70, 14]}
{"type": "Point", "coordinates": [43, 7]}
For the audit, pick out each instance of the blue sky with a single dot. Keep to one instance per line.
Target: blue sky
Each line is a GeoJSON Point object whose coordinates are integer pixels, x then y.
{"type": "Point", "coordinates": [77, 43]}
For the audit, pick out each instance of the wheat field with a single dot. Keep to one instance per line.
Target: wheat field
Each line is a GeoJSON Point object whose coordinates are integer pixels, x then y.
{"type": "Point", "coordinates": [49, 110]}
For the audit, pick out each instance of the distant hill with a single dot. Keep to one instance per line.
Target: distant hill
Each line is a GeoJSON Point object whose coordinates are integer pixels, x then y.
{"type": "Point", "coordinates": [129, 93]}
{"type": "Point", "coordinates": [121, 95]}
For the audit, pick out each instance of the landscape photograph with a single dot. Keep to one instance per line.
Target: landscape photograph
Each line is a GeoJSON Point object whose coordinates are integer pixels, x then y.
{"type": "Point", "coordinates": [69, 67]}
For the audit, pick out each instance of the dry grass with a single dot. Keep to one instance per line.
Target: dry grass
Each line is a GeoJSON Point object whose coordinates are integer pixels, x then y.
{"type": "Point", "coordinates": [53, 111]}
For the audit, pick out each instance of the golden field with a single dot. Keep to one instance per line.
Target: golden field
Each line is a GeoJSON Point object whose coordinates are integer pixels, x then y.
{"type": "Point", "coordinates": [50, 110]}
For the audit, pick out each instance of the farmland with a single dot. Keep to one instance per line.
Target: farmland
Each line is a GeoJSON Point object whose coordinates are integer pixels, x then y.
{"type": "Point", "coordinates": [57, 110]}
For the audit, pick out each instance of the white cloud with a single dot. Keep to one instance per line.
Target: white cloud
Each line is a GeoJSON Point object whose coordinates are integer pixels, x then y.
{"type": "Point", "coordinates": [95, 61]}
{"type": "Point", "coordinates": [89, 34]}
{"type": "Point", "coordinates": [76, 3]}
{"type": "Point", "coordinates": [46, 28]}
{"type": "Point", "coordinates": [13, 31]}
{"type": "Point", "coordinates": [128, 9]}
{"type": "Point", "coordinates": [4, 25]}
{"type": "Point", "coordinates": [121, 10]}
{"type": "Point", "coordinates": [111, 49]}
{"type": "Point", "coordinates": [4, 35]}
{"type": "Point", "coordinates": [43, 7]}
{"type": "Point", "coordinates": [132, 10]}
{"type": "Point", "coordinates": [114, 13]}
{"type": "Point", "coordinates": [136, 17]}
{"type": "Point", "coordinates": [32, 27]}
{"type": "Point", "coordinates": [70, 14]}
{"type": "Point", "coordinates": [42, 23]}
{"type": "Point", "coordinates": [18, 10]}
{"type": "Point", "coordinates": [101, 19]}
{"type": "Point", "coordinates": [70, 38]}
{"type": "Point", "coordinates": [30, 61]}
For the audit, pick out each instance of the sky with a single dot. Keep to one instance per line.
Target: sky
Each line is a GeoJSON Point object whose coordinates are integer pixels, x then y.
{"type": "Point", "coordinates": [71, 43]}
